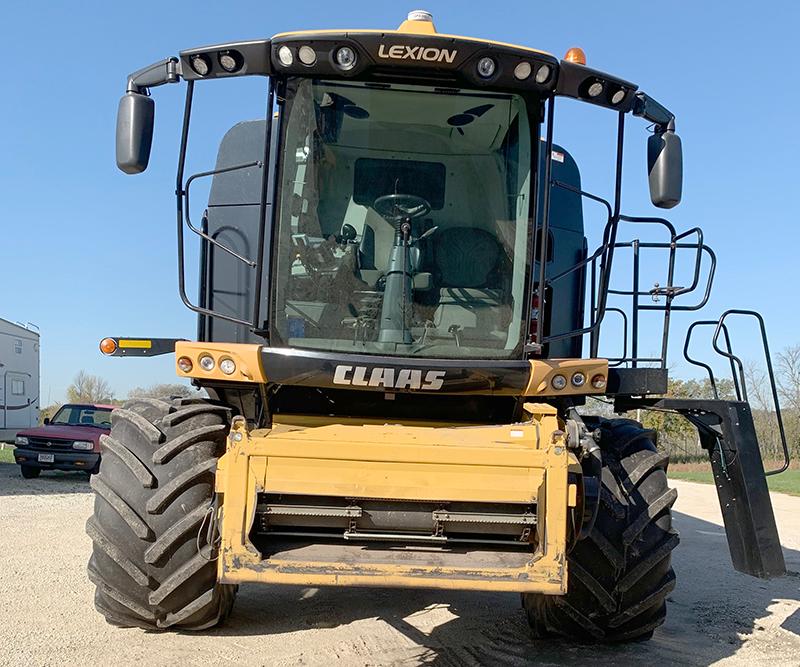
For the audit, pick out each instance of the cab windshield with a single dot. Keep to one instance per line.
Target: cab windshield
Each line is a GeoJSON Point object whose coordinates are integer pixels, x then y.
{"type": "Point", "coordinates": [403, 220]}
{"type": "Point", "coordinates": [82, 415]}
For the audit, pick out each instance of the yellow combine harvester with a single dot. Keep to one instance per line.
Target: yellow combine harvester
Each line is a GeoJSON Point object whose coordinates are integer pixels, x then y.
{"type": "Point", "coordinates": [393, 274]}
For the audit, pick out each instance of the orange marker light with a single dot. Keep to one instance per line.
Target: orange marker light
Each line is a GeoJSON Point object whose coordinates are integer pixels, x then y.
{"type": "Point", "coordinates": [108, 346]}
{"type": "Point", "coordinates": [575, 55]}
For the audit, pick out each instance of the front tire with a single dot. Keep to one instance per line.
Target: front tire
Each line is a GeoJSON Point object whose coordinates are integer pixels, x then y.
{"type": "Point", "coordinates": [30, 472]}
{"type": "Point", "coordinates": [620, 575]}
{"type": "Point", "coordinates": [151, 562]}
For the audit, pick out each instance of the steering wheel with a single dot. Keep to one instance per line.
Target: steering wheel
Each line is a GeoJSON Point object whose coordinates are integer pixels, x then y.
{"type": "Point", "coordinates": [396, 208]}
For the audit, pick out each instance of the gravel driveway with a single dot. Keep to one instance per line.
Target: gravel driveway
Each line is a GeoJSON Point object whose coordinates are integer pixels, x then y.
{"type": "Point", "coordinates": [715, 615]}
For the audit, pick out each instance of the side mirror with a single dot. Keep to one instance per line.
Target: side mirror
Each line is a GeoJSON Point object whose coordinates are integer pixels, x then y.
{"type": "Point", "coordinates": [665, 167]}
{"type": "Point", "coordinates": [134, 132]}
{"type": "Point", "coordinates": [46, 421]}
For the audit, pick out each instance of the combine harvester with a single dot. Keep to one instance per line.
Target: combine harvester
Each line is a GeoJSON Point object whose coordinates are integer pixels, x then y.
{"type": "Point", "coordinates": [391, 331]}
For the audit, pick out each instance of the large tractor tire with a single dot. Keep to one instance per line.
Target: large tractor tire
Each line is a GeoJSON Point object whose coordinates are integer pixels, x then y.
{"type": "Point", "coordinates": [151, 562]}
{"type": "Point", "coordinates": [620, 575]}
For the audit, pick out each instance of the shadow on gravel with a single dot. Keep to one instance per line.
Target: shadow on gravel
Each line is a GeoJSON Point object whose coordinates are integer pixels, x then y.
{"type": "Point", "coordinates": [49, 482]}
{"type": "Point", "coordinates": [711, 614]}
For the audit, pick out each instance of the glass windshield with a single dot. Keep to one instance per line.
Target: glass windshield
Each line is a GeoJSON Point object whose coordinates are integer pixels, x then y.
{"type": "Point", "coordinates": [402, 226]}
{"type": "Point", "coordinates": [82, 415]}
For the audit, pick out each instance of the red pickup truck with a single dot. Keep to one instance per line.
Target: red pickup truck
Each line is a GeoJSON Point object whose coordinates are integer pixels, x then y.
{"type": "Point", "coordinates": [68, 441]}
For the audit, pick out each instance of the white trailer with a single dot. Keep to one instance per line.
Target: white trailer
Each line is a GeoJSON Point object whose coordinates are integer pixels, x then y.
{"type": "Point", "coordinates": [19, 378]}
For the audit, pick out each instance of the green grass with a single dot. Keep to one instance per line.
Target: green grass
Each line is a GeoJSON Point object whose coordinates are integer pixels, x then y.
{"type": "Point", "coordinates": [786, 482]}
{"type": "Point", "coordinates": [7, 454]}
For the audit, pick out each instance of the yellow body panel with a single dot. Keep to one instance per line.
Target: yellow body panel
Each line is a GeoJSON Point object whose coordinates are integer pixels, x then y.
{"type": "Point", "coordinates": [246, 356]}
{"type": "Point", "coordinates": [524, 463]}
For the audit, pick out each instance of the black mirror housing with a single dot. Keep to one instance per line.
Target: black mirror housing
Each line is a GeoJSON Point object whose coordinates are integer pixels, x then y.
{"type": "Point", "coordinates": [665, 167]}
{"type": "Point", "coordinates": [134, 132]}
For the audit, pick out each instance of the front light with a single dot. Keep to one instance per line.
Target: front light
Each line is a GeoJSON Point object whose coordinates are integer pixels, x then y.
{"type": "Point", "coordinates": [83, 444]}
{"type": "Point", "coordinates": [346, 58]}
{"type": "Point", "coordinates": [20, 440]}
{"type": "Point", "coordinates": [558, 382]}
{"type": "Point", "coordinates": [207, 362]}
{"type": "Point", "coordinates": [227, 366]}
{"type": "Point", "coordinates": [578, 379]}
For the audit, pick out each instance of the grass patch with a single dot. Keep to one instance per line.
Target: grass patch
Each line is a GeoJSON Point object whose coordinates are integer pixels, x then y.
{"type": "Point", "coordinates": [786, 482]}
{"type": "Point", "coordinates": [7, 454]}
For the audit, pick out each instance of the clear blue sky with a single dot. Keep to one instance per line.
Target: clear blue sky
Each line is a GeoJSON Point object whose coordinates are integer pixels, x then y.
{"type": "Point", "coordinates": [87, 251]}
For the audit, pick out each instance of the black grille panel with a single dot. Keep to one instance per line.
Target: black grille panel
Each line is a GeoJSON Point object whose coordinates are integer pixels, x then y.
{"type": "Point", "coordinates": [50, 444]}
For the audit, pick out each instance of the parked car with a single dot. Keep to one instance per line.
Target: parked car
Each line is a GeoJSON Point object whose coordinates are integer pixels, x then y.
{"type": "Point", "coordinates": [68, 441]}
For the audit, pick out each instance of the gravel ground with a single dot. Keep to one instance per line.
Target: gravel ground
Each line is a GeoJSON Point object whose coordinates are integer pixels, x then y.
{"type": "Point", "coordinates": [715, 615]}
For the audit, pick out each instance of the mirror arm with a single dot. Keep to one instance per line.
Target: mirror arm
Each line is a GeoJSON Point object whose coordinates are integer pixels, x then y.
{"type": "Point", "coordinates": [157, 74]}
{"type": "Point", "coordinates": [646, 107]}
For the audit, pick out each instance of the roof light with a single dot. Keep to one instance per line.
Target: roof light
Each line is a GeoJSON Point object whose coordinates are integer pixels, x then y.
{"type": "Point", "coordinates": [307, 55]}
{"type": "Point", "coordinates": [523, 70]}
{"type": "Point", "coordinates": [230, 61]}
{"type": "Point", "coordinates": [543, 74]}
{"type": "Point", "coordinates": [346, 58]}
{"type": "Point", "coordinates": [200, 63]}
{"type": "Point", "coordinates": [618, 96]}
{"type": "Point", "coordinates": [575, 55]}
{"type": "Point", "coordinates": [486, 67]}
{"type": "Point", "coordinates": [108, 346]}
{"type": "Point", "coordinates": [285, 56]}
{"type": "Point", "coordinates": [595, 89]}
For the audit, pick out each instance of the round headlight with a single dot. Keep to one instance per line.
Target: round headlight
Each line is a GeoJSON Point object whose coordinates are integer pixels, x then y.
{"type": "Point", "coordinates": [200, 63]}
{"type": "Point", "coordinates": [230, 61]}
{"type": "Point", "coordinates": [595, 89]}
{"type": "Point", "coordinates": [599, 381]}
{"type": "Point", "coordinates": [185, 364]}
{"type": "Point", "coordinates": [346, 58]}
{"type": "Point", "coordinates": [285, 56]}
{"type": "Point", "coordinates": [486, 67]}
{"type": "Point", "coordinates": [618, 96]}
{"type": "Point", "coordinates": [227, 366]}
{"type": "Point", "coordinates": [542, 74]}
{"type": "Point", "coordinates": [522, 71]}
{"type": "Point", "coordinates": [558, 382]}
{"type": "Point", "coordinates": [207, 362]}
{"type": "Point", "coordinates": [578, 379]}
{"type": "Point", "coordinates": [307, 55]}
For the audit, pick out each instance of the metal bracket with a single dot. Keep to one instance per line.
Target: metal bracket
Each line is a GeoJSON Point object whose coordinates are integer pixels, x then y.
{"type": "Point", "coordinates": [727, 432]}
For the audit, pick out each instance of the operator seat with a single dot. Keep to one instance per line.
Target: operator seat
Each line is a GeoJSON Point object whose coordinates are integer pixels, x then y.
{"type": "Point", "coordinates": [472, 295]}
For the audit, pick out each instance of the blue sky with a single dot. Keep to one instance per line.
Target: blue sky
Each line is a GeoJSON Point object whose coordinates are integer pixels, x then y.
{"type": "Point", "coordinates": [87, 251]}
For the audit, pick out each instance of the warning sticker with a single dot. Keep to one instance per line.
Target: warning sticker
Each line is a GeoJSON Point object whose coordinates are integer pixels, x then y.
{"type": "Point", "coordinates": [558, 156]}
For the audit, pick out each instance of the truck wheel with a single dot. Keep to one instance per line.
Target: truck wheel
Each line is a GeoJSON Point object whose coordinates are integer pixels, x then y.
{"type": "Point", "coordinates": [30, 472]}
{"type": "Point", "coordinates": [151, 561]}
{"type": "Point", "coordinates": [620, 575]}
